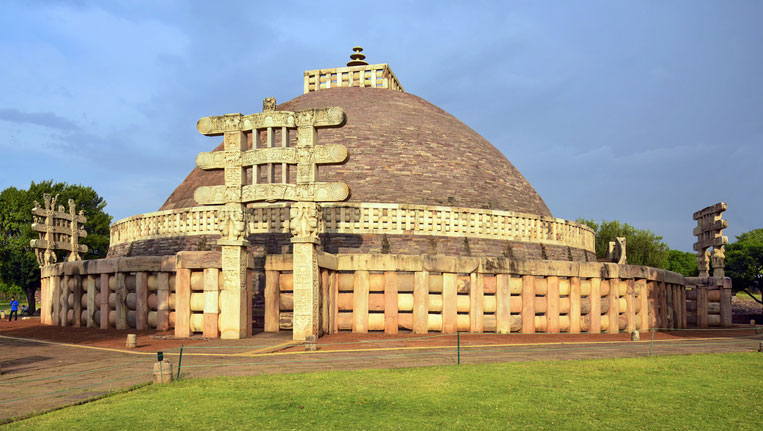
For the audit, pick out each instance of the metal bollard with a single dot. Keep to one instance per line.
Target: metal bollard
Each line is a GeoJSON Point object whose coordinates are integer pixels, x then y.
{"type": "Point", "coordinates": [132, 340]}
{"type": "Point", "coordinates": [635, 336]}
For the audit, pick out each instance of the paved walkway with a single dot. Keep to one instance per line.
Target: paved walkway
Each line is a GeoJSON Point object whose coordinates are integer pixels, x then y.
{"type": "Point", "coordinates": [43, 375]}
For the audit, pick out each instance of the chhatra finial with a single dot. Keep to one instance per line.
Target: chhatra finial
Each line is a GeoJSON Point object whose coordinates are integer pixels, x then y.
{"type": "Point", "coordinates": [358, 59]}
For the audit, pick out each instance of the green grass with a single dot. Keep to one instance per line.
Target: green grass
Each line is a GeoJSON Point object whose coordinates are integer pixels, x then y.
{"type": "Point", "coordinates": [721, 391]}
{"type": "Point", "coordinates": [745, 295]}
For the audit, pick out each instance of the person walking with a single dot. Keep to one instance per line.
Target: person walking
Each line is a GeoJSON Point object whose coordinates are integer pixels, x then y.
{"type": "Point", "coordinates": [14, 308]}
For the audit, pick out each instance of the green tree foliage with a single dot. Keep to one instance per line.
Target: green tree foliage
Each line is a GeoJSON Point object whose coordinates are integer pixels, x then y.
{"type": "Point", "coordinates": [18, 265]}
{"type": "Point", "coordinates": [744, 261]}
{"type": "Point", "coordinates": [682, 262]}
{"type": "Point", "coordinates": [642, 246]}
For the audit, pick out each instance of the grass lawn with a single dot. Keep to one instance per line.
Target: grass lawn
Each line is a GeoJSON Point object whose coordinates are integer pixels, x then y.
{"type": "Point", "coordinates": [721, 391]}
{"type": "Point", "coordinates": [744, 295]}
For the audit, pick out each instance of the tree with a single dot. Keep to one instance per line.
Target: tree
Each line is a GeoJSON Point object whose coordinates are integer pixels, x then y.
{"type": "Point", "coordinates": [744, 262]}
{"type": "Point", "coordinates": [18, 265]}
{"type": "Point", "coordinates": [642, 247]}
{"type": "Point", "coordinates": [682, 262]}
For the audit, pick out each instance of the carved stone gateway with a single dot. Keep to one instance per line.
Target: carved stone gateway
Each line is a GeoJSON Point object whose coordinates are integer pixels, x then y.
{"type": "Point", "coordinates": [709, 232]}
{"type": "Point", "coordinates": [305, 219]}
{"type": "Point", "coordinates": [58, 230]}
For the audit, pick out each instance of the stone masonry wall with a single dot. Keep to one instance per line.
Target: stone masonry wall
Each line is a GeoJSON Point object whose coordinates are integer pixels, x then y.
{"type": "Point", "coordinates": [264, 244]}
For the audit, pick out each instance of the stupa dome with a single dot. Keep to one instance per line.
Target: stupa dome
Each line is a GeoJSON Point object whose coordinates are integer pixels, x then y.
{"type": "Point", "coordinates": [403, 149]}
{"type": "Point", "coordinates": [420, 181]}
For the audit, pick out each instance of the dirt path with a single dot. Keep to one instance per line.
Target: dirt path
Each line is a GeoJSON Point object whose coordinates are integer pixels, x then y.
{"type": "Point", "coordinates": [44, 374]}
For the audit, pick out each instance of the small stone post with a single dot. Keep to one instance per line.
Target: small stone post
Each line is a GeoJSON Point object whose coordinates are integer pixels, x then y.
{"type": "Point", "coordinates": [163, 371]}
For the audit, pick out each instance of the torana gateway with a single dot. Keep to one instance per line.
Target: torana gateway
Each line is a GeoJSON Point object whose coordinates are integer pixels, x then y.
{"type": "Point", "coordinates": [359, 207]}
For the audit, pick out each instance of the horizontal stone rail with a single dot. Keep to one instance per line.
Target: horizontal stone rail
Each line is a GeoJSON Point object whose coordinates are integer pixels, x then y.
{"type": "Point", "coordinates": [446, 294]}
{"type": "Point", "coordinates": [367, 218]}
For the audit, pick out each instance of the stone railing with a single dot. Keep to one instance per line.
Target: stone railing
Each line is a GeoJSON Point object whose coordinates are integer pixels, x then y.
{"type": "Point", "coordinates": [372, 75]}
{"type": "Point", "coordinates": [448, 294]}
{"type": "Point", "coordinates": [180, 292]}
{"type": "Point", "coordinates": [163, 224]}
{"type": "Point", "coordinates": [367, 218]}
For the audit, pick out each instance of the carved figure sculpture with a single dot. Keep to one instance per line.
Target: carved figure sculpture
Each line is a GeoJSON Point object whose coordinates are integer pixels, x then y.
{"type": "Point", "coordinates": [231, 223]}
{"type": "Point", "coordinates": [304, 220]}
{"type": "Point", "coordinates": [616, 252]}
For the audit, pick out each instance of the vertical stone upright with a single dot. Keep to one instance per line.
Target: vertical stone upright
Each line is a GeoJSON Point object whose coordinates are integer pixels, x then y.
{"type": "Point", "coordinates": [304, 222]}
{"type": "Point", "coordinates": [233, 231]}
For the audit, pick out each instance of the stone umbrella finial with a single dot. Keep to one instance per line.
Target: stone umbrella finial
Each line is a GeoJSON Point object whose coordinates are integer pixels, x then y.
{"type": "Point", "coordinates": [358, 58]}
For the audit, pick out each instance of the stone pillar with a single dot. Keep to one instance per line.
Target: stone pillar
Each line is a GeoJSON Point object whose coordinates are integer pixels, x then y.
{"type": "Point", "coordinates": [104, 304]}
{"type": "Point", "coordinates": [703, 263]}
{"type": "Point", "coordinates": [141, 300]}
{"type": "Point", "coordinates": [234, 316]}
{"type": "Point", "coordinates": [182, 302]}
{"type": "Point", "coordinates": [233, 295]}
{"type": "Point", "coordinates": [163, 301]}
{"type": "Point", "coordinates": [211, 302]}
{"type": "Point", "coordinates": [77, 292]}
{"type": "Point", "coordinates": [64, 300]}
{"type": "Point", "coordinates": [91, 305]}
{"type": "Point", "coordinates": [121, 305]}
{"type": "Point", "coordinates": [272, 299]}
{"type": "Point", "coordinates": [304, 221]}
{"type": "Point", "coordinates": [718, 261]}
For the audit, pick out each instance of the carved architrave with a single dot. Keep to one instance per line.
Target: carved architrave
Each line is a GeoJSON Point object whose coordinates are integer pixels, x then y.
{"type": "Point", "coordinates": [319, 154]}
{"type": "Point", "coordinates": [321, 117]}
{"type": "Point", "coordinates": [316, 192]}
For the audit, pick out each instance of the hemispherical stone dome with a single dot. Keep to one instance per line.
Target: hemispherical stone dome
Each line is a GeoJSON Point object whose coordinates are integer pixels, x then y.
{"type": "Point", "coordinates": [402, 149]}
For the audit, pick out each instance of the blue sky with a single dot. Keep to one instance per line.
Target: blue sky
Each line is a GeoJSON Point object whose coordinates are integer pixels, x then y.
{"type": "Point", "coordinates": [638, 111]}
